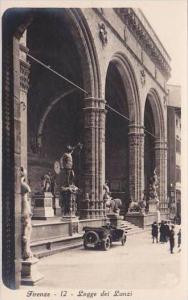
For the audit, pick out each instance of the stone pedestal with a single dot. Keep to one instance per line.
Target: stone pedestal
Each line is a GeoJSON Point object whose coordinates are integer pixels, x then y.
{"type": "Point", "coordinates": [56, 206]}
{"type": "Point", "coordinates": [141, 220]}
{"type": "Point", "coordinates": [43, 208]}
{"type": "Point", "coordinates": [115, 219]}
{"type": "Point", "coordinates": [29, 272]}
{"type": "Point", "coordinates": [69, 198]}
{"type": "Point", "coordinates": [152, 206]}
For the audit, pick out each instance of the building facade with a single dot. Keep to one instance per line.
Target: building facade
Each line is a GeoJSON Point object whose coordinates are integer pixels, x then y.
{"type": "Point", "coordinates": [174, 151]}
{"type": "Point", "coordinates": [117, 108]}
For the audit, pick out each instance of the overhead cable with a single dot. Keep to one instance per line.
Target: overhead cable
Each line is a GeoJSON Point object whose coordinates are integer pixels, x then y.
{"type": "Point", "coordinates": [78, 87]}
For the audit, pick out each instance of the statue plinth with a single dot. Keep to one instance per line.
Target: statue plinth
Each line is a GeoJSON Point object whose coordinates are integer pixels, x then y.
{"type": "Point", "coordinates": [153, 205]}
{"type": "Point", "coordinates": [56, 206]}
{"type": "Point", "coordinates": [115, 219]}
{"type": "Point", "coordinates": [69, 201]}
{"type": "Point", "coordinates": [43, 206]}
{"type": "Point", "coordinates": [29, 272]}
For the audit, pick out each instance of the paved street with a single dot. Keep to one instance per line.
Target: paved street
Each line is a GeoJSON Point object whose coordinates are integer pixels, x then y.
{"type": "Point", "coordinates": [139, 264]}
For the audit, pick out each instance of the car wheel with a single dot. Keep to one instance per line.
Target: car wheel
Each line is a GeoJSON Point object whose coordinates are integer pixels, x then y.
{"type": "Point", "coordinates": [106, 244]}
{"type": "Point", "coordinates": [90, 238]}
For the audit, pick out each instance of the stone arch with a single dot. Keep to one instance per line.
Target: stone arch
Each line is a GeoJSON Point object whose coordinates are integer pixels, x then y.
{"type": "Point", "coordinates": [134, 131]}
{"type": "Point", "coordinates": [155, 102]}
{"type": "Point", "coordinates": [159, 146]}
{"type": "Point", "coordinates": [87, 50]}
{"type": "Point", "coordinates": [130, 84]}
{"type": "Point", "coordinates": [15, 23]}
{"type": "Point", "coordinates": [49, 108]}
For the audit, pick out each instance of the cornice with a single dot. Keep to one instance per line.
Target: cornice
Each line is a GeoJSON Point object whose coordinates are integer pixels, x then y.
{"type": "Point", "coordinates": [136, 27]}
{"type": "Point", "coordinates": [123, 41]}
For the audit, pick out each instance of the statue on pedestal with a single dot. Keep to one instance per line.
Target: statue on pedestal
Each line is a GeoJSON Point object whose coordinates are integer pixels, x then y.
{"type": "Point", "coordinates": [48, 183]}
{"type": "Point", "coordinates": [134, 207]}
{"type": "Point", "coordinates": [112, 205]}
{"type": "Point", "coordinates": [26, 217]}
{"type": "Point", "coordinates": [153, 195]}
{"type": "Point", "coordinates": [68, 189]}
{"type": "Point", "coordinates": [29, 272]}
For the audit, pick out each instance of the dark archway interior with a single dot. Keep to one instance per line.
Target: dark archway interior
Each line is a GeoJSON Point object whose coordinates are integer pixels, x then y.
{"type": "Point", "coordinates": [117, 150]}
{"type": "Point", "coordinates": [149, 143]}
{"type": "Point", "coordinates": [49, 39]}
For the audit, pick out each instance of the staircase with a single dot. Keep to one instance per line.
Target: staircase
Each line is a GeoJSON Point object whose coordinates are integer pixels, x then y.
{"type": "Point", "coordinates": [131, 228]}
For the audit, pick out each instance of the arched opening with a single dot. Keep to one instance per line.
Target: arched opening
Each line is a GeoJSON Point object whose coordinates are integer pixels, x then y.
{"type": "Point", "coordinates": [55, 108]}
{"type": "Point", "coordinates": [149, 143]}
{"type": "Point", "coordinates": [155, 146]}
{"type": "Point", "coordinates": [117, 128]}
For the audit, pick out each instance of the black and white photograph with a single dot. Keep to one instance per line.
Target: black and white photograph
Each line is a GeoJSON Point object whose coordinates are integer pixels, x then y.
{"type": "Point", "coordinates": [93, 150]}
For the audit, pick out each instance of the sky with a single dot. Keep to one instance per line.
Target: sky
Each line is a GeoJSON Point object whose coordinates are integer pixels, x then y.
{"type": "Point", "coordinates": [168, 19]}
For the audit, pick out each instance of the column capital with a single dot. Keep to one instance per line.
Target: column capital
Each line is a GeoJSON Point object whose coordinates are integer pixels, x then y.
{"type": "Point", "coordinates": [160, 145]}
{"type": "Point", "coordinates": [94, 104]}
{"type": "Point", "coordinates": [136, 129]}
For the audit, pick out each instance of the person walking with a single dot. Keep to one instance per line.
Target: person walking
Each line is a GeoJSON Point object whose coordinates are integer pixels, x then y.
{"type": "Point", "coordinates": [171, 239]}
{"type": "Point", "coordinates": [154, 232]}
{"type": "Point", "coordinates": [179, 240]}
{"type": "Point", "coordinates": [166, 231]}
{"type": "Point", "coordinates": [162, 232]}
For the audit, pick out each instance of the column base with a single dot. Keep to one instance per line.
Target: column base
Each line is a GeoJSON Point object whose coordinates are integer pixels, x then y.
{"type": "Point", "coordinates": [29, 272]}
{"type": "Point", "coordinates": [140, 219]}
{"type": "Point", "coordinates": [73, 224]}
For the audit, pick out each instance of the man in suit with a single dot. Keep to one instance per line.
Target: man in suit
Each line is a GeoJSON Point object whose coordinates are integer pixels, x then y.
{"type": "Point", "coordinates": [154, 232]}
{"type": "Point", "coordinates": [171, 239]}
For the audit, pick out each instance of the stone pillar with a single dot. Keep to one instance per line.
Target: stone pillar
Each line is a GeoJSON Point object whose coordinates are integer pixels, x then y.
{"type": "Point", "coordinates": [136, 162]}
{"type": "Point", "coordinates": [24, 85]}
{"type": "Point", "coordinates": [161, 168]}
{"type": "Point", "coordinates": [101, 151]}
{"type": "Point", "coordinates": [94, 147]}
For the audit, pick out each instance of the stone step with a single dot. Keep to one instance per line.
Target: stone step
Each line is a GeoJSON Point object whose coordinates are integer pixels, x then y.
{"type": "Point", "coordinates": [131, 228]}
{"type": "Point", "coordinates": [54, 245]}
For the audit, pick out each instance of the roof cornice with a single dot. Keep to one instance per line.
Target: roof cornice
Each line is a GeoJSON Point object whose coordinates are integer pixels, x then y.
{"type": "Point", "coordinates": [150, 44]}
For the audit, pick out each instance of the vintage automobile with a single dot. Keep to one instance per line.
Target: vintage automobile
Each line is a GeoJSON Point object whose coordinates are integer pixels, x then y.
{"type": "Point", "coordinates": [102, 237]}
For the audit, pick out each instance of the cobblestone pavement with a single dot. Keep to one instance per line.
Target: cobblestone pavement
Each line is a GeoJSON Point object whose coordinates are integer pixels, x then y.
{"type": "Point", "coordinates": [138, 264]}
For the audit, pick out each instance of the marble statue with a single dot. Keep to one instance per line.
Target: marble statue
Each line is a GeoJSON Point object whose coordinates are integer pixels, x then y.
{"type": "Point", "coordinates": [48, 183]}
{"type": "Point", "coordinates": [112, 205]}
{"type": "Point", "coordinates": [26, 217]}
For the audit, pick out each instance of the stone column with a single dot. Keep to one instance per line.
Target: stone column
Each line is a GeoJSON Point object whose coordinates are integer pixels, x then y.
{"type": "Point", "coordinates": [136, 162]}
{"type": "Point", "coordinates": [101, 151]}
{"type": "Point", "coordinates": [161, 167]}
{"type": "Point", "coordinates": [24, 85]}
{"type": "Point", "coordinates": [94, 147]}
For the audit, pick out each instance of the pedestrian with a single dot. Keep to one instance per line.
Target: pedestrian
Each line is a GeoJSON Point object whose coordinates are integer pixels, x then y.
{"type": "Point", "coordinates": [154, 232]}
{"type": "Point", "coordinates": [166, 231]}
{"type": "Point", "coordinates": [162, 232]}
{"type": "Point", "coordinates": [179, 240]}
{"type": "Point", "coordinates": [171, 239]}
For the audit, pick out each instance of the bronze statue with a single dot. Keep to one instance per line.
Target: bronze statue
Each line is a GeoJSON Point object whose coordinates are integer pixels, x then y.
{"type": "Point", "coordinates": [66, 162]}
